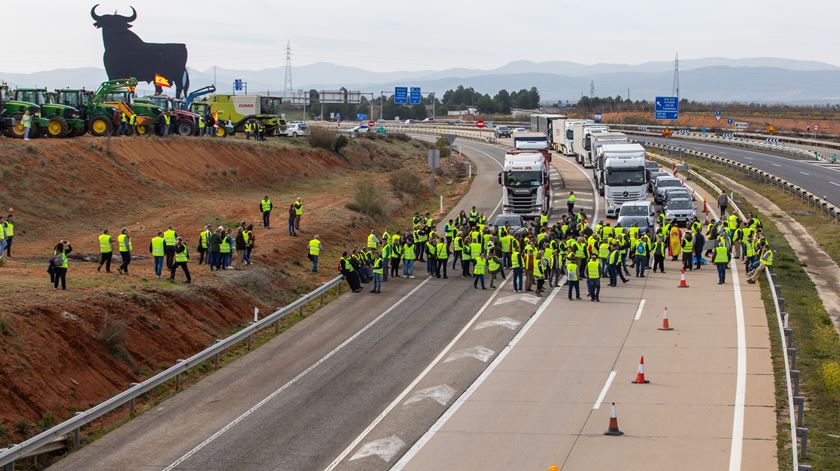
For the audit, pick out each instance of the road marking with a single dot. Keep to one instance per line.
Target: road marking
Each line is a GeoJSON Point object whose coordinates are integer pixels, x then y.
{"type": "Point", "coordinates": [294, 380]}
{"type": "Point", "coordinates": [594, 193]}
{"type": "Point", "coordinates": [639, 311]}
{"type": "Point", "coordinates": [440, 394]}
{"type": "Point", "coordinates": [338, 459]}
{"type": "Point", "coordinates": [775, 165]}
{"type": "Point", "coordinates": [835, 184]}
{"type": "Point", "coordinates": [604, 390]}
{"type": "Point", "coordinates": [804, 173]}
{"type": "Point", "coordinates": [420, 443]}
{"type": "Point", "coordinates": [384, 448]}
{"type": "Point", "coordinates": [528, 298]}
{"type": "Point", "coordinates": [482, 354]}
{"type": "Point", "coordinates": [505, 322]}
{"type": "Point", "coordinates": [736, 449]}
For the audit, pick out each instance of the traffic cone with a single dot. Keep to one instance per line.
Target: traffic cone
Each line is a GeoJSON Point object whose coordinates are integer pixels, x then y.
{"type": "Point", "coordinates": [553, 468]}
{"type": "Point", "coordinates": [640, 374]}
{"type": "Point", "coordinates": [705, 207]}
{"type": "Point", "coordinates": [613, 428]}
{"type": "Point", "coordinates": [665, 324]}
{"type": "Point", "coordinates": [682, 284]}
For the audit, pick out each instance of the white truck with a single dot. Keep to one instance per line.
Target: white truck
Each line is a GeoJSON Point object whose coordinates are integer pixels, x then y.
{"type": "Point", "coordinates": [563, 138]}
{"type": "Point", "coordinates": [599, 140]}
{"type": "Point", "coordinates": [527, 188]}
{"type": "Point", "coordinates": [624, 175]}
{"type": "Point", "coordinates": [582, 141]}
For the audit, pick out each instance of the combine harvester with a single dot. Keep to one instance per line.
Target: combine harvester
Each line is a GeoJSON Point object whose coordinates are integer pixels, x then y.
{"type": "Point", "coordinates": [240, 109]}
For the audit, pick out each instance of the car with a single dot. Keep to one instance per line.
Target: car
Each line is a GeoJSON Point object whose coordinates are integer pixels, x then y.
{"type": "Point", "coordinates": [502, 131]}
{"type": "Point", "coordinates": [519, 130]}
{"type": "Point", "coordinates": [296, 129]}
{"type": "Point", "coordinates": [651, 166]}
{"type": "Point", "coordinates": [410, 121]}
{"type": "Point", "coordinates": [652, 178]}
{"type": "Point", "coordinates": [641, 213]}
{"type": "Point", "coordinates": [357, 130]}
{"type": "Point", "coordinates": [428, 120]}
{"type": "Point", "coordinates": [663, 185]}
{"type": "Point", "coordinates": [677, 194]}
{"type": "Point", "coordinates": [515, 221]}
{"type": "Point", "coordinates": [680, 211]}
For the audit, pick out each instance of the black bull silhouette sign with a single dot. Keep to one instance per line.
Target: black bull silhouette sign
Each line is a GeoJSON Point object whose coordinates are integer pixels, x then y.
{"type": "Point", "coordinates": [126, 55]}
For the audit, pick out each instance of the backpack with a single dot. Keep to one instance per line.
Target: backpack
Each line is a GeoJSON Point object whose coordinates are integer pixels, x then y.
{"type": "Point", "coordinates": [56, 260]}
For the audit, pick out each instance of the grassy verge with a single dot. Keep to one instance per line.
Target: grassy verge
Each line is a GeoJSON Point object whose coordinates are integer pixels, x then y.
{"type": "Point", "coordinates": [818, 347]}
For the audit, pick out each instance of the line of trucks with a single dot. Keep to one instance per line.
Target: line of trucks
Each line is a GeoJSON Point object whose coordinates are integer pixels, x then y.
{"type": "Point", "coordinates": [69, 112]}
{"type": "Point", "coordinates": [618, 166]}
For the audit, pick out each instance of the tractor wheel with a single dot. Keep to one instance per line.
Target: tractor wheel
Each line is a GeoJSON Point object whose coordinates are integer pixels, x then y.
{"type": "Point", "coordinates": [36, 131]}
{"type": "Point", "coordinates": [221, 131]}
{"type": "Point", "coordinates": [100, 125]}
{"type": "Point", "coordinates": [184, 128]}
{"type": "Point", "coordinates": [57, 127]}
{"type": "Point", "coordinates": [16, 129]}
{"type": "Point", "coordinates": [143, 130]}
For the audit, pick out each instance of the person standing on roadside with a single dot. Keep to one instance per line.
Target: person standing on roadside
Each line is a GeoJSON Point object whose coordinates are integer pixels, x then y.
{"type": "Point", "coordinates": [570, 203]}
{"type": "Point", "coordinates": [124, 243]}
{"type": "Point", "coordinates": [214, 257]}
{"type": "Point", "coordinates": [723, 202]}
{"type": "Point", "coordinates": [105, 251]}
{"type": "Point", "coordinates": [265, 208]}
{"type": "Point", "coordinates": [26, 122]}
{"type": "Point", "coordinates": [298, 204]}
{"type": "Point", "coordinates": [170, 239]}
{"type": "Point", "coordinates": [377, 272]}
{"type": "Point", "coordinates": [593, 278]}
{"type": "Point", "coordinates": [203, 237]}
{"type": "Point", "coordinates": [240, 244]}
{"type": "Point", "coordinates": [315, 249]}
{"type": "Point", "coordinates": [292, 217]}
{"type": "Point", "coordinates": [250, 240]}
{"type": "Point", "coordinates": [156, 247]}
{"type": "Point", "coordinates": [9, 227]}
{"type": "Point", "coordinates": [182, 258]}
{"type": "Point", "coordinates": [721, 260]}
{"type": "Point", "coordinates": [59, 264]}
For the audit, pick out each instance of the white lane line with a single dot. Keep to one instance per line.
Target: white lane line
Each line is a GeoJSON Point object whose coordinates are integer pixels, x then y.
{"type": "Point", "coordinates": [294, 380]}
{"type": "Point", "coordinates": [419, 444]}
{"type": "Point", "coordinates": [736, 449]}
{"type": "Point", "coordinates": [835, 184]}
{"type": "Point", "coordinates": [775, 165]}
{"type": "Point", "coordinates": [604, 390]}
{"type": "Point", "coordinates": [588, 200]}
{"type": "Point", "coordinates": [805, 173]}
{"type": "Point", "coordinates": [505, 322]}
{"type": "Point", "coordinates": [338, 459]}
{"type": "Point", "coordinates": [526, 297]}
{"type": "Point", "coordinates": [440, 394]}
{"type": "Point", "coordinates": [639, 311]}
{"type": "Point", "coordinates": [482, 354]}
{"type": "Point", "coordinates": [384, 448]}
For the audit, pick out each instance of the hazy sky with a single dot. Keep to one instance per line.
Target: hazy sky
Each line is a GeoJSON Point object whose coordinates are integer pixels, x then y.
{"type": "Point", "coordinates": [388, 35]}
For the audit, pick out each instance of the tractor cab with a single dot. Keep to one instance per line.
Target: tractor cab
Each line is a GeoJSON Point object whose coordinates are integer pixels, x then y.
{"type": "Point", "coordinates": [13, 111]}
{"type": "Point", "coordinates": [56, 120]}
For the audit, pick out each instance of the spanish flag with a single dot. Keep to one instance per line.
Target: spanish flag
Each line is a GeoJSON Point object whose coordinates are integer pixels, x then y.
{"type": "Point", "coordinates": [160, 81]}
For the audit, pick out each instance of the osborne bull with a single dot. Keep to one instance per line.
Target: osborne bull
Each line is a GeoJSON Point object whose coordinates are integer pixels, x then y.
{"type": "Point", "coordinates": [126, 55]}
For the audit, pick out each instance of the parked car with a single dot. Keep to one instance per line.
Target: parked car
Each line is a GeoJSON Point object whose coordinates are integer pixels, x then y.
{"type": "Point", "coordinates": [296, 129]}
{"type": "Point", "coordinates": [502, 131]}
{"type": "Point", "coordinates": [680, 211]}
{"type": "Point", "coordinates": [515, 221]}
{"type": "Point", "coordinates": [356, 130]}
{"type": "Point", "coordinates": [640, 213]}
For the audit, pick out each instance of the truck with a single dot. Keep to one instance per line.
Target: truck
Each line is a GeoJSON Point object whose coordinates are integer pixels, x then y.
{"type": "Point", "coordinates": [582, 145]}
{"type": "Point", "coordinates": [532, 141]}
{"type": "Point", "coordinates": [562, 137]}
{"type": "Point", "coordinates": [599, 140]}
{"type": "Point", "coordinates": [624, 175]}
{"type": "Point", "coordinates": [527, 188]}
{"type": "Point", "coordinates": [240, 109]}
{"type": "Point", "coordinates": [544, 124]}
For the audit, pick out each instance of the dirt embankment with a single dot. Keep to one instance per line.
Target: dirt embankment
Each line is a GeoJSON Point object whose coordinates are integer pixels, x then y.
{"type": "Point", "coordinates": [67, 350]}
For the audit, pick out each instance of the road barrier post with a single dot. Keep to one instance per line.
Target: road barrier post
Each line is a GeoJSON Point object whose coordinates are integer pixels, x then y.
{"type": "Point", "coordinates": [132, 404]}
{"type": "Point", "coordinates": [76, 436]}
{"type": "Point", "coordinates": [802, 433]}
{"type": "Point", "coordinates": [178, 377]}
{"type": "Point", "coordinates": [794, 378]}
{"type": "Point", "coordinates": [792, 354]}
{"type": "Point", "coordinates": [800, 408]}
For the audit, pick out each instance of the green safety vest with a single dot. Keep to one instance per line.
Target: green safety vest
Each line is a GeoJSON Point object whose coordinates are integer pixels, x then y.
{"type": "Point", "coordinates": [105, 243]}
{"type": "Point", "coordinates": [572, 198]}
{"type": "Point", "coordinates": [721, 254]}
{"type": "Point", "coordinates": [123, 246]}
{"type": "Point", "coordinates": [182, 256]}
{"type": "Point", "coordinates": [170, 238]}
{"type": "Point", "coordinates": [167, 119]}
{"type": "Point", "coordinates": [157, 246]}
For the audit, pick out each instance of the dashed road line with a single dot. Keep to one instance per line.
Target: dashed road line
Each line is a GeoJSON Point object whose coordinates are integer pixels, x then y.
{"type": "Point", "coordinates": [604, 390]}
{"type": "Point", "coordinates": [639, 311]}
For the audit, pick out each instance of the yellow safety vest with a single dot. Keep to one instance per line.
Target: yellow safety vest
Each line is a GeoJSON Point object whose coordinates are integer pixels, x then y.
{"type": "Point", "coordinates": [456, 243]}
{"type": "Point", "coordinates": [298, 208]}
{"type": "Point", "coordinates": [721, 254]}
{"type": "Point", "coordinates": [441, 251]}
{"type": "Point", "coordinates": [572, 198]}
{"type": "Point", "coordinates": [515, 261]}
{"type": "Point", "coordinates": [315, 247]}
{"type": "Point", "coordinates": [604, 250]}
{"type": "Point", "coordinates": [183, 256]}
{"type": "Point", "coordinates": [265, 205]}
{"type": "Point", "coordinates": [571, 271]}
{"type": "Point", "coordinates": [538, 269]}
{"type": "Point", "coordinates": [371, 241]}
{"type": "Point", "coordinates": [203, 238]}
{"type": "Point", "coordinates": [169, 237]}
{"type": "Point", "coordinates": [105, 243]}
{"type": "Point", "coordinates": [768, 258]}
{"type": "Point", "coordinates": [10, 228]}
{"type": "Point", "coordinates": [157, 246]}
{"type": "Point", "coordinates": [377, 266]}
{"type": "Point", "coordinates": [593, 269]}
{"type": "Point", "coordinates": [493, 265]}
{"type": "Point", "coordinates": [123, 246]}
{"type": "Point", "coordinates": [505, 241]}
{"type": "Point", "coordinates": [224, 247]}
{"type": "Point", "coordinates": [408, 252]}
{"type": "Point", "coordinates": [480, 263]}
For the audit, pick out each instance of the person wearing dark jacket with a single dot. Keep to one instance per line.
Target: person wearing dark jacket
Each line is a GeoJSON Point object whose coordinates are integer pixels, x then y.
{"type": "Point", "coordinates": [214, 260]}
{"type": "Point", "coordinates": [58, 272]}
{"type": "Point", "coordinates": [699, 243]}
{"type": "Point", "coordinates": [182, 258]}
{"type": "Point", "coordinates": [292, 216]}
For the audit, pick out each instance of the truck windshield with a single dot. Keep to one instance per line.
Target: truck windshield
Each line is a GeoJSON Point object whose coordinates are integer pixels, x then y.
{"type": "Point", "coordinates": [523, 179]}
{"type": "Point", "coordinates": [628, 177]}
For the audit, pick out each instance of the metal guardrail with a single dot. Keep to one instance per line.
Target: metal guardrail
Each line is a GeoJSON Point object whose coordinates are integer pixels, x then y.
{"type": "Point", "coordinates": [44, 441]}
{"type": "Point", "coordinates": [737, 142]}
{"type": "Point", "coordinates": [792, 375]}
{"type": "Point", "coordinates": [760, 175]}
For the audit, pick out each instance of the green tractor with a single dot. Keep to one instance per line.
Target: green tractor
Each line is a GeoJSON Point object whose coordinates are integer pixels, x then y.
{"type": "Point", "coordinates": [107, 116]}
{"type": "Point", "coordinates": [13, 111]}
{"type": "Point", "coordinates": [120, 94]}
{"type": "Point", "coordinates": [56, 120]}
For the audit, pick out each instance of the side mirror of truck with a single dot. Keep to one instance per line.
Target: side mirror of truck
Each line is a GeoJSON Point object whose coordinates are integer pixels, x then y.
{"type": "Point", "coordinates": [500, 178]}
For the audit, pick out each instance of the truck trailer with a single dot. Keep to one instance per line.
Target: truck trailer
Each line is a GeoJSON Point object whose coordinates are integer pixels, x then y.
{"type": "Point", "coordinates": [582, 141]}
{"type": "Point", "coordinates": [599, 140]}
{"type": "Point", "coordinates": [563, 136]}
{"type": "Point", "coordinates": [527, 187]}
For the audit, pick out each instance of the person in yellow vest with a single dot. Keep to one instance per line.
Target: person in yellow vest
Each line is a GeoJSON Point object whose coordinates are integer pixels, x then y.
{"type": "Point", "coordinates": [170, 238]}
{"type": "Point", "coordinates": [157, 249]}
{"type": "Point", "coordinates": [124, 243]}
{"type": "Point", "coordinates": [9, 227]}
{"type": "Point", "coordinates": [226, 247]}
{"type": "Point", "coordinates": [372, 240]}
{"type": "Point", "coordinates": [59, 265]}
{"type": "Point", "coordinates": [442, 257]}
{"type": "Point", "coordinates": [593, 278]}
{"type": "Point", "coordinates": [298, 212]}
{"type": "Point", "coordinates": [408, 255]}
{"type": "Point", "coordinates": [517, 263]}
{"type": "Point", "coordinates": [315, 249]}
{"type": "Point", "coordinates": [201, 126]}
{"type": "Point", "coordinates": [378, 270]}
{"type": "Point", "coordinates": [765, 262]}
{"type": "Point", "coordinates": [123, 125]}
{"type": "Point", "coordinates": [543, 220]}
{"type": "Point", "coordinates": [132, 124]}
{"type": "Point", "coordinates": [105, 251]}
{"type": "Point", "coordinates": [478, 270]}
{"type": "Point", "coordinates": [570, 203]}
{"type": "Point", "coordinates": [688, 250]}
{"type": "Point", "coordinates": [457, 248]}
{"type": "Point", "coordinates": [540, 265]}
{"type": "Point", "coordinates": [721, 260]}
{"type": "Point", "coordinates": [659, 254]}
{"type": "Point", "coordinates": [203, 241]}
{"type": "Point", "coordinates": [572, 277]}
{"type": "Point", "coordinates": [182, 258]}
{"type": "Point", "coordinates": [167, 122]}
{"type": "Point", "coordinates": [265, 209]}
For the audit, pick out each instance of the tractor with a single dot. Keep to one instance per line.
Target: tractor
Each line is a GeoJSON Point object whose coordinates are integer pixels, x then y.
{"type": "Point", "coordinates": [120, 93]}
{"type": "Point", "coordinates": [12, 112]}
{"type": "Point", "coordinates": [82, 100]}
{"type": "Point", "coordinates": [56, 120]}
{"type": "Point", "coordinates": [186, 122]}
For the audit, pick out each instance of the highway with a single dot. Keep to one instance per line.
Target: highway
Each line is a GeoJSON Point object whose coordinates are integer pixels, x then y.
{"type": "Point", "coordinates": [820, 178]}
{"type": "Point", "coordinates": [299, 401]}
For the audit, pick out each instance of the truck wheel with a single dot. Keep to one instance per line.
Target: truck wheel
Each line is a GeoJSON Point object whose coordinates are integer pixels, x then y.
{"type": "Point", "coordinates": [100, 125]}
{"type": "Point", "coordinates": [184, 128]}
{"type": "Point", "coordinates": [57, 128]}
{"type": "Point", "coordinates": [16, 129]}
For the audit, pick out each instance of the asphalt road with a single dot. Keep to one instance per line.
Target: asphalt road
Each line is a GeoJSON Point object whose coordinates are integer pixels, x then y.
{"type": "Point", "coordinates": [820, 178]}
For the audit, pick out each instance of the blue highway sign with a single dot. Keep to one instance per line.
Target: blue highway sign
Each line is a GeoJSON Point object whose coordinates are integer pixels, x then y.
{"type": "Point", "coordinates": [667, 107]}
{"type": "Point", "coordinates": [415, 97]}
{"type": "Point", "coordinates": [400, 95]}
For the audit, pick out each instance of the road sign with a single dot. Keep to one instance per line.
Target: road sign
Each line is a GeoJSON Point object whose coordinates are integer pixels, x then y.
{"type": "Point", "coordinates": [237, 85]}
{"type": "Point", "coordinates": [371, 123]}
{"type": "Point", "coordinates": [450, 138]}
{"type": "Point", "coordinates": [400, 95]}
{"type": "Point", "coordinates": [815, 127]}
{"type": "Point", "coordinates": [480, 123]}
{"type": "Point", "coordinates": [718, 115]}
{"type": "Point", "coordinates": [361, 116]}
{"type": "Point", "coordinates": [742, 125]}
{"type": "Point", "coordinates": [667, 107]}
{"type": "Point", "coordinates": [666, 132]}
{"type": "Point", "coordinates": [433, 158]}
{"type": "Point", "coordinates": [771, 129]}
{"type": "Point", "coordinates": [704, 130]}
{"type": "Point", "coordinates": [415, 97]}
{"type": "Point", "coordinates": [597, 117]}
{"type": "Point", "coordinates": [729, 121]}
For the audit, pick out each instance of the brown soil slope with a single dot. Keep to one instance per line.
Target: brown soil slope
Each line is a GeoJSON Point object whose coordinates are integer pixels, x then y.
{"type": "Point", "coordinates": [67, 350]}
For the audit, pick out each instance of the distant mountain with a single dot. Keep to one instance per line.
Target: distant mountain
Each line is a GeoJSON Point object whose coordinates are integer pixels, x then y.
{"type": "Point", "coordinates": [707, 79]}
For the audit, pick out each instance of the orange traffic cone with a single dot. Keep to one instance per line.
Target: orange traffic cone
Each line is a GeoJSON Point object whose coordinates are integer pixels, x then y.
{"type": "Point", "coordinates": [705, 208]}
{"type": "Point", "coordinates": [665, 324]}
{"type": "Point", "coordinates": [640, 374]}
{"type": "Point", "coordinates": [682, 284]}
{"type": "Point", "coordinates": [553, 468]}
{"type": "Point", "coordinates": [613, 428]}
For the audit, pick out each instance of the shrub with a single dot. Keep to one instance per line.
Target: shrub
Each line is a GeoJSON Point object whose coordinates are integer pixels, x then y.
{"type": "Point", "coordinates": [366, 201]}
{"type": "Point", "coordinates": [443, 146]}
{"type": "Point", "coordinates": [112, 335]}
{"type": "Point", "coordinates": [340, 143]}
{"type": "Point", "coordinates": [322, 138]}
{"type": "Point", "coordinates": [407, 182]}
{"type": "Point", "coordinates": [830, 372]}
